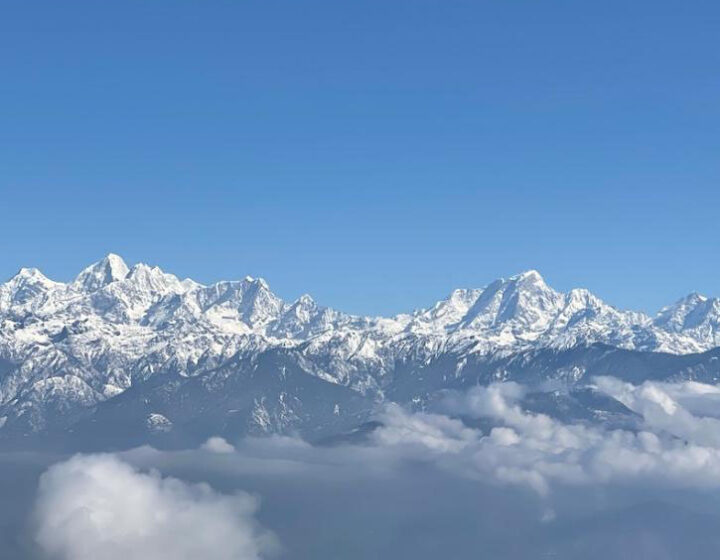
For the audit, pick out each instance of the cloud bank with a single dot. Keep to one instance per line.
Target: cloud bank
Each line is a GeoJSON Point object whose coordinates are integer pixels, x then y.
{"type": "Point", "coordinates": [674, 447]}
{"type": "Point", "coordinates": [461, 480]}
{"type": "Point", "coordinates": [98, 506]}
{"type": "Point", "coordinates": [676, 443]}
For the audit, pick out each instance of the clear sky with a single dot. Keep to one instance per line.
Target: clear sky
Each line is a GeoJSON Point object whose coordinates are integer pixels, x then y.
{"type": "Point", "coordinates": [375, 153]}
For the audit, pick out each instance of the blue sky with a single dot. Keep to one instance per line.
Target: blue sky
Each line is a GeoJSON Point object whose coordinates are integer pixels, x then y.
{"type": "Point", "coordinates": [376, 154]}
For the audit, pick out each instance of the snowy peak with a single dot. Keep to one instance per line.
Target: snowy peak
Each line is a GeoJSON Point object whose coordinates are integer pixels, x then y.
{"type": "Point", "coordinates": [249, 301]}
{"type": "Point", "coordinates": [510, 314]}
{"type": "Point", "coordinates": [98, 275]}
{"type": "Point", "coordinates": [259, 305]}
{"type": "Point", "coordinates": [30, 277]}
{"type": "Point", "coordinates": [304, 308]}
{"type": "Point", "coordinates": [27, 289]}
{"type": "Point", "coordinates": [529, 277]}
{"type": "Point", "coordinates": [90, 339]}
{"type": "Point", "coordinates": [529, 300]}
{"type": "Point", "coordinates": [258, 283]}
{"type": "Point", "coordinates": [297, 318]}
{"type": "Point", "coordinates": [153, 280]}
{"type": "Point", "coordinates": [524, 299]}
{"type": "Point", "coordinates": [450, 311]}
{"type": "Point", "coordinates": [691, 312]}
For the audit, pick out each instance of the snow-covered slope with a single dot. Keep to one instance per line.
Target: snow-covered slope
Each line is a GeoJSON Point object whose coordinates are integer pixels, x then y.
{"type": "Point", "coordinates": [64, 347]}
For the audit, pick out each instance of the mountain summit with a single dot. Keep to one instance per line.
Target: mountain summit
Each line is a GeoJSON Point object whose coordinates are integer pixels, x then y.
{"type": "Point", "coordinates": [110, 269]}
{"type": "Point", "coordinates": [66, 348]}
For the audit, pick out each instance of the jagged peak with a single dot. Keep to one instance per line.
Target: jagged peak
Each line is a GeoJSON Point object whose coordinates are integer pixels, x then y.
{"type": "Point", "coordinates": [302, 306]}
{"type": "Point", "coordinates": [305, 300]}
{"type": "Point", "coordinates": [105, 271]}
{"type": "Point", "coordinates": [687, 302]}
{"type": "Point", "coordinates": [190, 284]}
{"type": "Point", "coordinates": [461, 294]}
{"type": "Point", "coordinates": [146, 270]}
{"type": "Point", "coordinates": [259, 282]}
{"type": "Point", "coordinates": [528, 283]}
{"type": "Point", "coordinates": [31, 276]}
{"type": "Point", "coordinates": [25, 287]}
{"type": "Point", "coordinates": [30, 272]}
{"type": "Point", "coordinates": [451, 309]}
{"type": "Point", "coordinates": [522, 301]}
{"type": "Point", "coordinates": [114, 258]}
{"type": "Point", "coordinates": [693, 297]}
{"type": "Point", "coordinates": [116, 262]}
{"type": "Point", "coordinates": [580, 293]}
{"type": "Point", "coordinates": [688, 312]}
{"type": "Point", "coordinates": [528, 278]}
{"type": "Point", "coordinates": [584, 295]}
{"type": "Point", "coordinates": [531, 274]}
{"type": "Point", "coordinates": [524, 297]}
{"type": "Point", "coordinates": [154, 278]}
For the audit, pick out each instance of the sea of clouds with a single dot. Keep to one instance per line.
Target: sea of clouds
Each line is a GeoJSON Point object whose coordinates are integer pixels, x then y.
{"type": "Point", "coordinates": [421, 485]}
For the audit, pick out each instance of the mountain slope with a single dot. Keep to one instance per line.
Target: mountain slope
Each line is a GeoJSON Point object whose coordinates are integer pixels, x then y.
{"type": "Point", "coordinates": [66, 348]}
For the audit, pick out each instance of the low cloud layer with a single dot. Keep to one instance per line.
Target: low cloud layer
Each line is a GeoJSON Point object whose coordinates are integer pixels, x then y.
{"type": "Point", "coordinates": [687, 410]}
{"type": "Point", "coordinates": [97, 506]}
{"type": "Point", "coordinates": [423, 484]}
{"type": "Point", "coordinates": [676, 445]}
{"type": "Point", "coordinates": [673, 448]}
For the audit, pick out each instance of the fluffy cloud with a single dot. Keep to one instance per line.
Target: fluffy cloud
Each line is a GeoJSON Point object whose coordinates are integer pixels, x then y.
{"type": "Point", "coordinates": [98, 506]}
{"type": "Point", "coordinates": [677, 445]}
{"type": "Point", "coordinates": [434, 432]}
{"type": "Point", "coordinates": [671, 407]}
{"type": "Point", "coordinates": [217, 445]}
{"type": "Point", "coordinates": [675, 448]}
{"type": "Point", "coordinates": [101, 507]}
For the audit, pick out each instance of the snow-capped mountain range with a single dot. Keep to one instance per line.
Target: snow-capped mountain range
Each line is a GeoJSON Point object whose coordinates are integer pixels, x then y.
{"type": "Point", "coordinates": [68, 347]}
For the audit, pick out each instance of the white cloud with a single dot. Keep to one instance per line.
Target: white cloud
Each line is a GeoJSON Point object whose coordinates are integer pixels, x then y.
{"type": "Point", "coordinates": [98, 506]}
{"type": "Point", "coordinates": [676, 448]}
{"type": "Point", "coordinates": [217, 445]}
{"type": "Point", "coordinates": [435, 432]}
{"type": "Point", "coordinates": [671, 407]}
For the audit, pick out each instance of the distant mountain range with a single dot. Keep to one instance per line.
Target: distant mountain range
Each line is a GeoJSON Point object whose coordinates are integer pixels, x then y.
{"type": "Point", "coordinates": [132, 354]}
